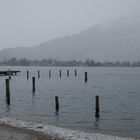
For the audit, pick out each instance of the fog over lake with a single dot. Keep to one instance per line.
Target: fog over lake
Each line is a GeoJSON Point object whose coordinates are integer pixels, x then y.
{"type": "Point", "coordinates": [64, 53]}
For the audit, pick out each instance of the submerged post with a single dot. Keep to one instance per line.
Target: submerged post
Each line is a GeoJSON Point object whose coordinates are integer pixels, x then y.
{"type": "Point", "coordinates": [97, 108]}
{"type": "Point", "coordinates": [75, 73]}
{"type": "Point", "coordinates": [33, 83]}
{"type": "Point", "coordinates": [27, 74]}
{"type": "Point", "coordinates": [86, 78]}
{"type": "Point", "coordinates": [7, 91]}
{"type": "Point", "coordinates": [38, 74]}
{"type": "Point", "coordinates": [67, 73]}
{"type": "Point", "coordinates": [56, 103]}
{"type": "Point", "coordinates": [60, 73]}
{"type": "Point", "coordinates": [49, 73]}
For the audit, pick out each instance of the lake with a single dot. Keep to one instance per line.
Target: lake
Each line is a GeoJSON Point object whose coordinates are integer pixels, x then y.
{"type": "Point", "coordinates": [118, 89]}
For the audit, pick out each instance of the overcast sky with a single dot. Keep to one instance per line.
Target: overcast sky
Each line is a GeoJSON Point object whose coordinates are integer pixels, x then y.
{"type": "Point", "coordinates": [31, 22]}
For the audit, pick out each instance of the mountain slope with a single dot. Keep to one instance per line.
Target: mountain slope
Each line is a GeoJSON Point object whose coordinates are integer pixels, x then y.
{"type": "Point", "coordinates": [116, 40]}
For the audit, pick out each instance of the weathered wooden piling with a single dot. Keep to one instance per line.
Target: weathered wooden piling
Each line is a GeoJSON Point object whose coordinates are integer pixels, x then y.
{"type": "Point", "coordinates": [60, 73]}
{"type": "Point", "coordinates": [9, 74]}
{"type": "Point", "coordinates": [49, 73]}
{"type": "Point", "coordinates": [33, 83]}
{"type": "Point", "coordinates": [27, 74]}
{"type": "Point", "coordinates": [38, 74]}
{"type": "Point", "coordinates": [75, 73]}
{"type": "Point", "coordinates": [7, 91]}
{"type": "Point", "coordinates": [86, 78]}
{"type": "Point", "coordinates": [67, 73]}
{"type": "Point", "coordinates": [56, 103]}
{"type": "Point", "coordinates": [97, 107]}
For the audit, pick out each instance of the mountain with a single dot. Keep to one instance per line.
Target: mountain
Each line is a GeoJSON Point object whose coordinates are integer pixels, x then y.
{"type": "Point", "coordinates": [115, 40]}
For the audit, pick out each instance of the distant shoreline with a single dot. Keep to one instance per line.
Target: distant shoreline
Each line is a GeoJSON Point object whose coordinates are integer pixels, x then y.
{"type": "Point", "coordinates": [71, 66]}
{"type": "Point", "coordinates": [67, 63]}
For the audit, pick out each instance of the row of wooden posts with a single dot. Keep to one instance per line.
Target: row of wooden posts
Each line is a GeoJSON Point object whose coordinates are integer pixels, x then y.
{"type": "Point", "coordinates": [33, 82]}
{"type": "Point", "coordinates": [60, 74]}
{"type": "Point", "coordinates": [56, 97]}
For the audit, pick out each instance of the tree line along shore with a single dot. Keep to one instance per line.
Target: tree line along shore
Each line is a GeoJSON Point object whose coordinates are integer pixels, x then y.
{"type": "Point", "coordinates": [54, 62]}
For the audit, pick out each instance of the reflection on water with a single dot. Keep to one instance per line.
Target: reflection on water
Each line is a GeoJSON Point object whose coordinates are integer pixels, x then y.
{"type": "Point", "coordinates": [56, 117]}
{"type": "Point", "coordinates": [8, 108]}
{"type": "Point", "coordinates": [118, 89]}
{"type": "Point", "coordinates": [33, 93]}
{"type": "Point", "coordinates": [96, 123]}
{"type": "Point", "coordinates": [97, 116]}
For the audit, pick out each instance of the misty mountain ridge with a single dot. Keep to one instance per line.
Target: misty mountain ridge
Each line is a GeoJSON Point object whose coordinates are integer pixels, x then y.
{"type": "Point", "coordinates": [115, 40]}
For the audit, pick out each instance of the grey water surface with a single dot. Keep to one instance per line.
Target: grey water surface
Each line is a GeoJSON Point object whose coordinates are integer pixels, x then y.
{"type": "Point", "coordinates": [118, 89]}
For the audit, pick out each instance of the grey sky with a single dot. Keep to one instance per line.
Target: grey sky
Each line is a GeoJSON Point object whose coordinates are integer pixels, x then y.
{"type": "Point", "coordinates": [30, 22]}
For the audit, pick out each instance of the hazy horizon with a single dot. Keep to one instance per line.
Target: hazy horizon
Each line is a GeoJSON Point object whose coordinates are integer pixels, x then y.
{"type": "Point", "coordinates": [29, 23]}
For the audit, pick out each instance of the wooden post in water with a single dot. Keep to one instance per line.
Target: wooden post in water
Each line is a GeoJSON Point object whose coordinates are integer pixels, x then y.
{"type": "Point", "coordinates": [33, 83]}
{"type": "Point", "coordinates": [86, 78]}
{"type": "Point", "coordinates": [97, 108]}
{"type": "Point", "coordinates": [27, 74]}
{"type": "Point", "coordinates": [60, 73]}
{"type": "Point", "coordinates": [49, 73]}
{"type": "Point", "coordinates": [7, 91]}
{"type": "Point", "coordinates": [75, 73]}
{"type": "Point", "coordinates": [38, 74]}
{"type": "Point", "coordinates": [67, 73]}
{"type": "Point", "coordinates": [56, 103]}
{"type": "Point", "coordinates": [9, 75]}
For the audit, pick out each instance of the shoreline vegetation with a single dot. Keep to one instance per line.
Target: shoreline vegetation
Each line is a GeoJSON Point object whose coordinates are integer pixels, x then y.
{"type": "Point", "coordinates": [77, 63]}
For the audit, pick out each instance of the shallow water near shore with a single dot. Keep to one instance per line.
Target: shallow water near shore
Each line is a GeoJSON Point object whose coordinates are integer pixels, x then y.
{"type": "Point", "coordinates": [118, 89]}
{"type": "Point", "coordinates": [52, 132]}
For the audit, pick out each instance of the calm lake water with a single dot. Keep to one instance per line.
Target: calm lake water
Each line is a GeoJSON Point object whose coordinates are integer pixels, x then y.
{"type": "Point", "coordinates": [118, 88]}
